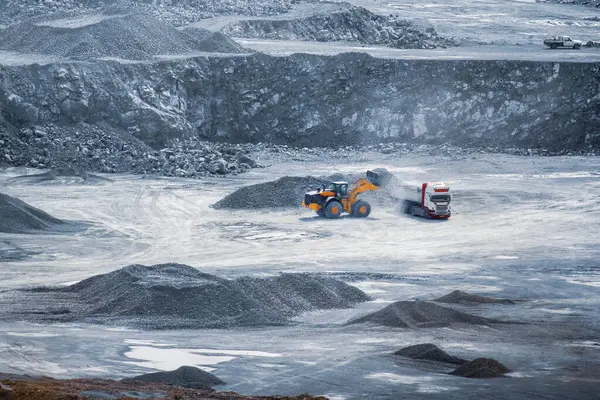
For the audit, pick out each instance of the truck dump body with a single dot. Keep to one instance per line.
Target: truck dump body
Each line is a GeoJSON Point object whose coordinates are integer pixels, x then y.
{"type": "Point", "coordinates": [429, 200]}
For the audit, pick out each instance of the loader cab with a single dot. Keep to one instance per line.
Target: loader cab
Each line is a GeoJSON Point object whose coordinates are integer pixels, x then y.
{"type": "Point", "coordinates": [340, 189]}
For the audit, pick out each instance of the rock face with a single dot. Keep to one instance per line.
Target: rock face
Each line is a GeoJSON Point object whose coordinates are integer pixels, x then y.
{"type": "Point", "coordinates": [310, 100]}
{"type": "Point", "coordinates": [189, 377]}
{"type": "Point", "coordinates": [481, 368]}
{"type": "Point", "coordinates": [419, 314]}
{"type": "Point", "coordinates": [177, 296]}
{"type": "Point", "coordinates": [339, 22]}
{"type": "Point", "coordinates": [430, 352]}
{"type": "Point", "coordinates": [460, 297]}
{"type": "Point", "coordinates": [16, 216]}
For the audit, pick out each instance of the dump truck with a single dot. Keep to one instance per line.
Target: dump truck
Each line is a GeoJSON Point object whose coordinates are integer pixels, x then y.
{"type": "Point", "coordinates": [429, 200]}
{"type": "Point", "coordinates": [564, 42]}
{"type": "Point", "coordinates": [338, 198]}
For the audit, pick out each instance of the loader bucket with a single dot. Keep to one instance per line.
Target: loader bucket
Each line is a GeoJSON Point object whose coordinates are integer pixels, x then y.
{"type": "Point", "coordinates": [380, 177]}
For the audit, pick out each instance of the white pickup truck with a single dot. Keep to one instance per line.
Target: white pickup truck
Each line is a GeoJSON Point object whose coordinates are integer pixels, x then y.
{"type": "Point", "coordinates": [562, 41]}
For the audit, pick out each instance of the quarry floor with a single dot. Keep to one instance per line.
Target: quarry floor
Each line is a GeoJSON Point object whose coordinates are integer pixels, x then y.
{"type": "Point", "coordinates": [523, 228]}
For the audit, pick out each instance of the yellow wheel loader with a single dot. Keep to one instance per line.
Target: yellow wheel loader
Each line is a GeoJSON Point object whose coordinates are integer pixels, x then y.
{"type": "Point", "coordinates": [336, 200]}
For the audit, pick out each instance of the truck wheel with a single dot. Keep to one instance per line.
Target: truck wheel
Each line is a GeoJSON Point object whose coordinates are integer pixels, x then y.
{"type": "Point", "coordinates": [576, 47]}
{"type": "Point", "coordinates": [333, 209]}
{"type": "Point", "coordinates": [553, 46]}
{"type": "Point", "coordinates": [361, 209]}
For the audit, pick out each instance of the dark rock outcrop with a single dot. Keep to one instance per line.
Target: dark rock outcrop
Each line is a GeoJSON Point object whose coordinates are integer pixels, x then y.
{"type": "Point", "coordinates": [590, 3]}
{"type": "Point", "coordinates": [178, 296]}
{"type": "Point", "coordinates": [16, 216]}
{"type": "Point", "coordinates": [460, 297]}
{"type": "Point", "coordinates": [430, 352]}
{"type": "Point", "coordinates": [189, 377]}
{"type": "Point", "coordinates": [481, 368]}
{"type": "Point", "coordinates": [310, 100]}
{"type": "Point", "coordinates": [419, 314]}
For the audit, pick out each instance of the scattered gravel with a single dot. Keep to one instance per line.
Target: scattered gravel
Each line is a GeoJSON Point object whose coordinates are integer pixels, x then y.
{"type": "Point", "coordinates": [460, 297]}
{"type": "Point", "coordinates": [430, 352]}
{"type": "Point", "coordinates": [175, 296]}
{"type": "Point", "coordinates": [189, 377]}
{"type": "Point", "coordinates": [481, 368]}
{"type": "Point", "coordinates": [419, 314]}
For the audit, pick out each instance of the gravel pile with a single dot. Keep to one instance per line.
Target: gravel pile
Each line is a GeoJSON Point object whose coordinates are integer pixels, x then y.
{"type": "Point", "coordinates": [172, 296]}
{"type": "Point", "coordinates": [92, 149]}
{"type": "Point", "coordinates": [189, 377]}
{"type": "Point", "coordinates": [175, 12]}
{"type": "Point", "coordinates": [16, 216]}
{"type": "Point", "coordinates": [460, 297]}
{"type": "Point", "coordinates": [288, 192]}
{"type": "Point", "coordinates": [284, 192]}
{"type": "Point", "coordinates": [429, 352]}
{"type": "Point", "coordinates": [419, 314]}
{"type": "Point", "coordinates": [130, 36]}
{"type": "Point", "coordinates": [345, 23]}
{"type": "Point", "coordinates": [481, 368]}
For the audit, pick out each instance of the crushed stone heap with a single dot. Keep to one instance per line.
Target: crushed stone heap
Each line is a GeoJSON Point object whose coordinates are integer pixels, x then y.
{"type": "Point", "coordinates": [174, 296]}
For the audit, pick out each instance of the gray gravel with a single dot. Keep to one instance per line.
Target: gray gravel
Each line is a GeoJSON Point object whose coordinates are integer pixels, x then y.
{"type": "Point", "coordinates": [122, 35]}
{"type": "Point", "coordinates": [170, 296]}
{"type": "Point", "coordinates": [419, 314]}
{"type": "Point", "coordinates": [343, 22]}
{"type": "Point", "coordinates": [186, 376]}
{"type": "Point", "coordinates": [430, 352]}
{"type": "Point", "coordinates": [16, 216]}
{"type": "Point", "coordinates": [460, 297]}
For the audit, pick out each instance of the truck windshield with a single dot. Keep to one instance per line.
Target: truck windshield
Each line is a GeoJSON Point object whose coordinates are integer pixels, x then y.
{"type": "Point", "coordinates": [440, 197]}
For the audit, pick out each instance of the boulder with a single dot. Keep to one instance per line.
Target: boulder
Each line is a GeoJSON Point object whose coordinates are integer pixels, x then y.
{"type": "Point", "coordinates": [481, 368]}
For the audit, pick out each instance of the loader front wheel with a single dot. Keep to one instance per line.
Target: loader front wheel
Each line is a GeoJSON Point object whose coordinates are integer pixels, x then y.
{"type": "Point", "coordinates": [333, 209]}
{"type": "Point", "coordinates": [361, 209]}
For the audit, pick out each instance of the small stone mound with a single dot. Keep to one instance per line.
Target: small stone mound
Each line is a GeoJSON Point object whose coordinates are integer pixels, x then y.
{"type": "Point", "coordinates": [214, 42]}
{"type": "Point", "coordinates": [284, 192]}
{"type": "Point", "coordinates": [419, 314]}
{"type": "Point", "coordinates": [16, 216]}
{"type": "Point", "coordinates": [481, 368]}
{"type": "Point", "coordinates": [430, 352]}
{"type": "Point", "coordinates": [460, 297]}
{"type": "Point", "coordinates": [186, 376]}
{"type": "Point", "coordinates": [178, 296]}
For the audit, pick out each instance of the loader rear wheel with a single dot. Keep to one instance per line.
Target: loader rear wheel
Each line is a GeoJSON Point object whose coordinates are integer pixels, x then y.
{"type": "Point", "coordinates": [333, 209]}
{"type": "Point", "coordinates": [361, 209]}
{"type": "Point", "coordinates": [321, 212]}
